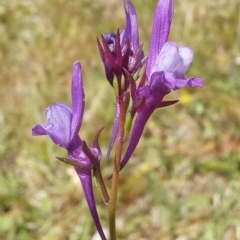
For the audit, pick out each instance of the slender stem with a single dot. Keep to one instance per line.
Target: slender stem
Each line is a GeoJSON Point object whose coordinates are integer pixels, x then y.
{"type": "Point", "coordinates": [116, 169]}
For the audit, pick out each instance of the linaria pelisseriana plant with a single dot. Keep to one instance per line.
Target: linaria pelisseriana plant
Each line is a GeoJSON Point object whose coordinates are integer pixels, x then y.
{"type": "Point", "coordinates": [140, 83]}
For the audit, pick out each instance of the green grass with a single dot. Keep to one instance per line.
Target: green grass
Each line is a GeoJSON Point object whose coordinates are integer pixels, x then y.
{"type": "Point", "coordinates": [183, 180]}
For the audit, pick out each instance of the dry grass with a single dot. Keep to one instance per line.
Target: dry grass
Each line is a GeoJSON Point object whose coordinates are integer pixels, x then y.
{"type": "Point", "coordinates": [183, 180]}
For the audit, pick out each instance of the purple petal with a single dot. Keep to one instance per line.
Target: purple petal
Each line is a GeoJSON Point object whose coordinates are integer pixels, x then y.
{"type": "Point", "coordinates": [78, 97]}
{"type": "Point", "coordinates": [131, 29]}
{"type": "Point", "coordinates": [195, 82]}
{"type": "Point", "coordinates": [137, 131]}
{"type": "Point", "coordinates": [163, 83]}
{"type": "Point", "coordinates": [125, 33]}
{"type": "Point", "coordinates": [169, 80]}
{"type": "Point", "coordinates": [58, 125]}
{"type": "Point", "coordinates": [186, 55]}
{"type": "Point", "coordinates": [160, 31]}
{"type": "Point", "coordinates": [168, 59]}
{"type": "Point", "coordinates": [159, 86]}
{"type": "Point", "coordinates": [134, 26]}
{"type": "Point", "coordinates": [122, 39]}
{"type": "Point", "coordinates": [173, 59]}
{"type": "Point", "coordinates": [38, 130]}
{"type": "Point", "coordinates": [114, 130]}
{"type": "Point", "coordinates": [86, 180]}
{"type": "Point", "coordinates": [174, 82]}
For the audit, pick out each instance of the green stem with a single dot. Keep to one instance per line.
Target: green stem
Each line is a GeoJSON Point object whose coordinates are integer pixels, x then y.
{"type": "Point", "coordinates": [116, 169]}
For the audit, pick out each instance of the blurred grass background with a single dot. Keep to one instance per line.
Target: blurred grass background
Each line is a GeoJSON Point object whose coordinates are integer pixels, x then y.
{"type": "Point", "coordinates": [183, 180]}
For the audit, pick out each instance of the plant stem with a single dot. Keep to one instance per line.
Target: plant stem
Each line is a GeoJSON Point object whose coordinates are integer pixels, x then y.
{"type": "Point", "coordinates": [116, 169]}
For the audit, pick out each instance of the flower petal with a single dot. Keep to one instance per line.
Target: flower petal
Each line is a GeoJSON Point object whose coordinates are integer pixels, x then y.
{"type": "Point", "coordinates": [38, 130]}
{"type": "Point", "coordinates": [174, 82]}
{"type": "Point", "coordinates": [134, 26]}
{"type": "Point", "coordinates": [195, 82]}
{"type": "Point", "coordinates": [158, 86]}
{"type": "Point", "coordinates": [168, 59]}
{"type": "Point", "coordinates": [173, 59]}
{"type": "Point", "coordinates": [186, 55]}
{"type": "Point", "coordinates": [130, 32]}
{"type": "Point", "coordinates": [160, 31]}
{"type": "Point", "coordinates": [58, 125]}
{"type": "Point", "coordinates": [78, 102]}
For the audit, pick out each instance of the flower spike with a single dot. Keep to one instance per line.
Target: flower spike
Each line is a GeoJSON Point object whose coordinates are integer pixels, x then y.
{"type": "Point", "coordinates": [165, 69]}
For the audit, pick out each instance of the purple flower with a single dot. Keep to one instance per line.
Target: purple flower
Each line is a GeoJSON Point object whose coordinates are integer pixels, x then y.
{"type": "Point", "coordinates": [165, 68]}
{"type": "Point", "coordinates": [122, 49]}
{"type": "Point", "coordinates": [62, 126]}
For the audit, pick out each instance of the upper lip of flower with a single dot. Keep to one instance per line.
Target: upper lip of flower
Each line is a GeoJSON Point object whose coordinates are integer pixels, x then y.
{"type": "Point", "coordinates": [63, 123]}
{"type": "Point", "coordinates": [78, 100]}
{"type": "Point", "coordinates": [160, 31]}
